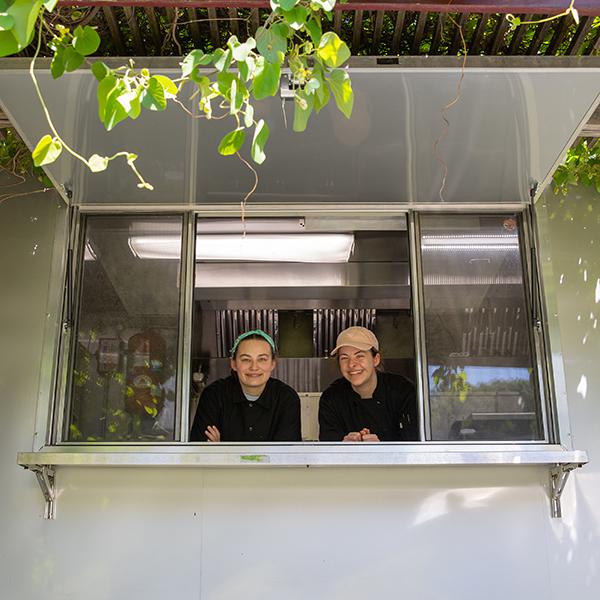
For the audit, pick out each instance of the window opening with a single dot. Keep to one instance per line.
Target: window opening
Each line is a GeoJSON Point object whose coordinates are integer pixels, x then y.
{"type": "Point", "coordinates": [302, 280]}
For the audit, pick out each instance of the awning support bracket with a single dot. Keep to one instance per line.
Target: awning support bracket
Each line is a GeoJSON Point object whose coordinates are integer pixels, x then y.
{"type": "Point", "coordinates": [558, 479]}
{"type": "Point", "coordinates": [45, 476]}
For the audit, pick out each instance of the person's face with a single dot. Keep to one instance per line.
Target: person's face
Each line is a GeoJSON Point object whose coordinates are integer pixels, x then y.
{"type": "Point", "coordinates": [358, 367]}
{"type": "Point", "coordinates": [253, 364]}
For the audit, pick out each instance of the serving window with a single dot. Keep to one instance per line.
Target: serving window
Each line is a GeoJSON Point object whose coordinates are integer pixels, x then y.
{"type": "Point", "coordinates": [137, 371]}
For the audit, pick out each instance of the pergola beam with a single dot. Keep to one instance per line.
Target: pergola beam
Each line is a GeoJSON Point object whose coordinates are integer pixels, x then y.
{"type": "Point", "coordinates": [535, 7]}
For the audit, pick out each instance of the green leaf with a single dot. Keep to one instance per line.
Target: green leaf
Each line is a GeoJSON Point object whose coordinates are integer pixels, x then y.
{"type": "Point", "coordinates": [97, 163]}
{"type": "Point", "coordinates": [266, 78]}
{"type": "Point", "coordinates": [222, 59]}
{"type": "Point", "coordinates": [340, 85]}
{"type": "Point", "coordinates": [314, 30]}
{"type": "Point", "coordinates": [193, 60]}
{"type": "Point", "coordinates": [326, 5]}
{"type": "Point", "coordinates": [153, 97]}
{"type": "Point", "coordinates": [248, 115]}
{"type": "Point", "coordinates": [100, 70]}
{"type": "Point", "coordinates": [86, 40]}
{"type": "Point", "coordinates": [130, 101]}
{"type": "Point", "coordinates": [47, 151]}
{"type": "Point", "coordinates": [232, 142]}
{"type": "Point", "coordinates": [272, 42]}
{"type": "Point", "coordinates": [296, 17]}
{"type": "Point", "coordinates": [73, 60]}
{"type": "Point", "coordinates": [239, 51]}
{"type": "Point", "coordinates": [303, 106]}
{"type": "Point", "coordinates": [6, 21]}
{"type": "Point", "coordinates": [57, 66]}
{"type": "Point", "coordinates": [284, 4]}
{"type": "Point", "coordinates": [50, 4]}
{"type": "Point", "coordinates": [168, 86]}
{"type": "Point", "coordinates": [332, 51]}
{"type": "Point", "coordinates": [261, 135]}
{"type": "Point", "coordinates": [24, 14]}
{"type": "Point", "coordinates": [115, 113]}
{"type": "Point", "coordinates": [105, 87]}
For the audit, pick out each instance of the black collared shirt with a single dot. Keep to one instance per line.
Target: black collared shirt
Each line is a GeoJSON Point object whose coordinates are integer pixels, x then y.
{"type": "Point", "coordinates": [273, 417]}
{"type": "Point", "coordinates": [391, 413]}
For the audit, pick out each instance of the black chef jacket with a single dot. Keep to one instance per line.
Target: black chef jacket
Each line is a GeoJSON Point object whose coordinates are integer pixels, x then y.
{"type": "Point", "coordinates": [391, 413]}
{"type": "Point", "coordinates": [273, 417]}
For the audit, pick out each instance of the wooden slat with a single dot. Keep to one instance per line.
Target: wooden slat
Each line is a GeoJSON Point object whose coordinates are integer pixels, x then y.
{"type": "Point", "coordinates": [595, 45]}
{"type": "Point", "coordinates": [377, 33]}
{"type": "Point", "coordinates": [234, 23]}
{"type": "Point", "coordinates": [477, 34]}
{"type": "Point", "coordinates": [498, 36]}
{"type": "Point", "coordinates": [254, 21]}
{"type": "Point", "coordinates": [194, 26]}
{"type": "Point", "coordinates": [539, 7]}
{"type": "Point", "coordinates": [584, 28]}
{"type": "Point", "coordinates": [154, 27]}
{"type": "Point", "coordinates": [419, 29]}
{"type": "Point", "coordinates": [538, 38]}
{"type": "Point", "coordinates": [337, 22]}
{"type": "Point", "coordinates": [357, 30]}
{"type": "Point", "coordinates": [398, 27]}
{"type": "Point", "coordinates": [113, 26]}
{"type": "Point", "coordinates": [136, 36]}
{"type": "Point", "coordinates": [214, 27]}
{"type": "Point", "coordinates": [519, 34]}
{"type": "Point", "coordinates": [457, 41]}
{"type": "Point", "coordinates": [559, 34]}
{"type": "Point", "coordinates": [437, 36]}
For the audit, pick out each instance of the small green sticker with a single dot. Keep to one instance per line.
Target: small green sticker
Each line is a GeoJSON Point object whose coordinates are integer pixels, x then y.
{"type": "Point", "coordinates": [259, 458]}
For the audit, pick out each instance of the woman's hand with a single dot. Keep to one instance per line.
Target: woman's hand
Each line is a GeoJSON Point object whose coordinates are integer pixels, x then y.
{"type": "Point", "coordinates": [212, 434]}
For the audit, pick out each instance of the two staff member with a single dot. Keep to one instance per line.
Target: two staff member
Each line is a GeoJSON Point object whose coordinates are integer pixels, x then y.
{"type": "Point", "coordinates": [364, 405]}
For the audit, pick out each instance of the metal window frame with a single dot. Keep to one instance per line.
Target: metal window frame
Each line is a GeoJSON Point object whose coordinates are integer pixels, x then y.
{"type": "Point", "coordinates": [189, 216]}
{"type": "Point", "coordinates": [560, 460]}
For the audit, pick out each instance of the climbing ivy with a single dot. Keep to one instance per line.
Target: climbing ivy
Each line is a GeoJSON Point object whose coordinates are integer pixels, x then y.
{"type": "Point", "coordinates": [582, 165]}
{"type": "Point", "coordinates": [224, 83]}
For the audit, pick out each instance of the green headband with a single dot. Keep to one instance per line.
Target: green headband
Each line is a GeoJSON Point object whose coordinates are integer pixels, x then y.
{"type": "Point", "coordinates": [243, 336]}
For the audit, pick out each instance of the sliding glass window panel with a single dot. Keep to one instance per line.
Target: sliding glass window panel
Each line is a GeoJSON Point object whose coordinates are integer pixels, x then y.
{"type": "Point", "coordinates": [480, 367]}
{"type": "Point", "coordinates": [302, 280]}
{"type": "Point", "coordinates": [123, 376]}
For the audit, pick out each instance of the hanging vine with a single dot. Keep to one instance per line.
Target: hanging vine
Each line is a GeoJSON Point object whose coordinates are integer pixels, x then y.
{"type": "Point", "coordinates": [224, 83]}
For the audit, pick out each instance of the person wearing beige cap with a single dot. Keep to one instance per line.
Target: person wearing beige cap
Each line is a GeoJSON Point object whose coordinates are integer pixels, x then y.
{"type": "Point", "coordinates": [366, 404]}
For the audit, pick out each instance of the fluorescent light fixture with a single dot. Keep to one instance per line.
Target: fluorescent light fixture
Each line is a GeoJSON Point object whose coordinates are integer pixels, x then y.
{"type": "Point", "coordinates": [264, 247]}
{"type": "Point", "coordinates": [470, 242]}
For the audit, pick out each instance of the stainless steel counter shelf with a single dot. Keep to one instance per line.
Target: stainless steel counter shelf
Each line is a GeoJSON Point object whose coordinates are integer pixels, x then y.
{"type": "Point", "coordinates": [43, 463]}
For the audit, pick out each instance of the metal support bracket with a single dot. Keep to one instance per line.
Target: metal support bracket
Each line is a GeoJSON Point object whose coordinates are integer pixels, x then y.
{"type": "Point", "coordinates": [558, 479]}
{"type": "Point", "coordinates": [45, 476]}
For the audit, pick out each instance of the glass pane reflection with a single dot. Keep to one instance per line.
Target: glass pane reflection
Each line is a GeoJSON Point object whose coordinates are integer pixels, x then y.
{"type": "Point", "coordinates": [480, 367]}
{"type": "Point", "coordinates": [123, 379]}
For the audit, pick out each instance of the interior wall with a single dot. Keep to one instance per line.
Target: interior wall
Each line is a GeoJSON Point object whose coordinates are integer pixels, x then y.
{"type": "Point", "coordinates": [428, 533]}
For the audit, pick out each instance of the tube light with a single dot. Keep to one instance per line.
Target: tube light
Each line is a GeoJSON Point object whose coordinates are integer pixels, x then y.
{"type": "Point", "coordinates": [304, 248]}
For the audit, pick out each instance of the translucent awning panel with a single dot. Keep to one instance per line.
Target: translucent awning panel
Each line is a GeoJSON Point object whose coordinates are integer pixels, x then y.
{"type": "Point", "coordinates": [506, 128]}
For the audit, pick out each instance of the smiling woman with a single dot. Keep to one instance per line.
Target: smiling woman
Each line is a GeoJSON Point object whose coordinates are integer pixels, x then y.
{"type": "Point", "coordinates": [249, 405]}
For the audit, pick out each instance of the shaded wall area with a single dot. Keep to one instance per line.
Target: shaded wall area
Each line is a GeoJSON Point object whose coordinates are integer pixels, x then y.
{"type": "Point", "coordinates": [571, 265]}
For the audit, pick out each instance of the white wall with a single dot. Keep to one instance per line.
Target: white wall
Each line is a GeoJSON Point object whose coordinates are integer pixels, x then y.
{"type": "Point", "coordinates": [427, 533]}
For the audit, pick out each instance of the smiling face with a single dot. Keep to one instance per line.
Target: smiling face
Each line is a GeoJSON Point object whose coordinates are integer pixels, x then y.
{"type": "Point", "coordinates": [253, 362]}
{"type": "Point", "coordinates": [358, 367]}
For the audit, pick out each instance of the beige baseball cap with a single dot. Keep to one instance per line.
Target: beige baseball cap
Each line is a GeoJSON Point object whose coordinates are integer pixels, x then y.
{"type": "Point", "coordinates": [357, 337]}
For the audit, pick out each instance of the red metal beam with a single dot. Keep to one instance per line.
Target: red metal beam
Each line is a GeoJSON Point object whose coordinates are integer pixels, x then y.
{"type": "Point", "coordinates": [536, 7]}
